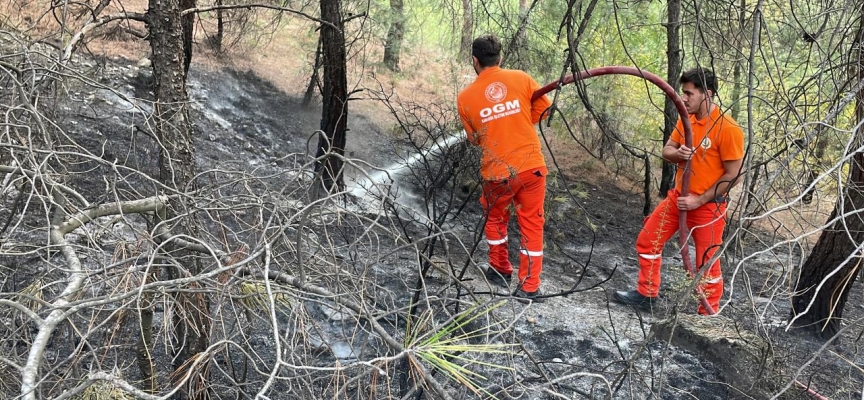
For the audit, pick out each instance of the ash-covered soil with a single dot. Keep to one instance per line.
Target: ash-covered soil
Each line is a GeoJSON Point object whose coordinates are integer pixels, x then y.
{"type": "Point", "coordinates": [579, 344]}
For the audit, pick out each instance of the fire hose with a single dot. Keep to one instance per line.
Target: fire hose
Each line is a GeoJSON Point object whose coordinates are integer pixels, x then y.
{"type": "Point", "coordinates": [685, 181]}
{"type": "Point", "coordinates": [683, 231]}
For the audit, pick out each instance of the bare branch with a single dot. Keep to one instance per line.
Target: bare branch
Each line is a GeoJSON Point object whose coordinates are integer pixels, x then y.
{"type": "Point", "coordinates": [258, 5]}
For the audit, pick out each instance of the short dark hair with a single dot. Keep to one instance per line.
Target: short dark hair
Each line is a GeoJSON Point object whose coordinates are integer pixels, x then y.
{"type": "Point", "coordinates": [701, 78]}
{"type": "Point", "coordinates": [487, 49]}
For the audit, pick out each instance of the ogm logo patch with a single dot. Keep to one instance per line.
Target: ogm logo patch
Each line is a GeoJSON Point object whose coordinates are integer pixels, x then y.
{"type": "Point", "coordinates": [495, 92]}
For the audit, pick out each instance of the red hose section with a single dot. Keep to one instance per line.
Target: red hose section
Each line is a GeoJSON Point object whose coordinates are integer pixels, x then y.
{"type": "Point", "coordinates": [810, 391]}
{"type": "Point", "coordinates": [683, 232]}
{"type": "Point", "coordinates": [688, 141]}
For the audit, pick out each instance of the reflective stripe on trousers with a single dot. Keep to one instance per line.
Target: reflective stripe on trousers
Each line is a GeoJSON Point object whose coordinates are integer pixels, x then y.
{"type": "Point", "coordinates": [661, 225]}
{"type": "Point", "coordinates": [526, 191]}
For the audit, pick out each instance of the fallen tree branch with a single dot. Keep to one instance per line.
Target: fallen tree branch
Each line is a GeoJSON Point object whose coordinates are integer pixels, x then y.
{"type": "Point", "coordinates": [20, 307]}
{"type": "Point", "coordinates": [58, 186]}
{"type": "Point", "coordinates": [150, 204]}
{"type": "Point", "coordinates": [121, 207]}
{"type": "Point", "coordinates": [361, 313]}
{"type": "Point", "coordinates": [79, 36]}
{"type": "Point", "coordinates": [10, 363]}
{"type": "Point", "coordinates": [29, 372]}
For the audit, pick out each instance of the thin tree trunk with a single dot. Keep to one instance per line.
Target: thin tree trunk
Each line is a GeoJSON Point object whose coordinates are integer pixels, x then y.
{"type": "Point", "coordinates": [177, 171]}
{"type": "Point", "coordinates": [220, 27]}
{"type": "Point", "coordinates": [673, 72]}
{"type": "Point", "coordinates": [520, 50]}
{"type": "Point", "coordinates": [334, 111]}
{"type": "Point", "coordinates": [314, 80]}
{"type": "Point", "coordinates": [737, 82]}
{"type": "Point", "coordinates": [395, 34]}
{"type": "Point", "coordinates": [188, 23]}
{"type": "Point", "coordinates": [145, 342]}
{"type": "Point", "coordinates": [467, 30]}
{"type": "Point", "coordinates": [518, 45]}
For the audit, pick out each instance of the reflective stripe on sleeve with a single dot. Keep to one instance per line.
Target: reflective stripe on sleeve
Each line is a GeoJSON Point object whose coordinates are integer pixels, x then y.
{"type": "Point", "coordinates": [650, 256]}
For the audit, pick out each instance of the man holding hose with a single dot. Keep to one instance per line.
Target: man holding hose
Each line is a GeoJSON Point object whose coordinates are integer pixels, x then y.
{"type": "Point", "coordinates": [499, 116]}
{"type": "Point", "coordinates": [715, 164]}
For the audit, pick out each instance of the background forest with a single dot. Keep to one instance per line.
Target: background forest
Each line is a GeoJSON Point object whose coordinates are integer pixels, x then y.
{"type": "Point", "coordinates": [272, 200]}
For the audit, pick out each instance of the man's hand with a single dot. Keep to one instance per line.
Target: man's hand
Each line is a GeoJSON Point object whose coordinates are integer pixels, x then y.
{"type": "Point", "coordinates": [690, 202]}
{"type": "Point", "coordinates": [684, 153]}
{"type": "Point", "coordinates": [675, 152]}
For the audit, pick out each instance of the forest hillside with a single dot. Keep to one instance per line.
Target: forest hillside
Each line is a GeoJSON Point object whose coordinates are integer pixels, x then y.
{"type": "Point", "coordinates": [275, 200]}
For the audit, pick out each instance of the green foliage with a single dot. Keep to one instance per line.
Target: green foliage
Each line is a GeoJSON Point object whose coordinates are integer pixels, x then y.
{"type": "Point", "coordinates": [253, 296]}
{"type": "Point", "coordinates": [799, 72]}
{"type": "Point", "coordinates": [32, 295]}
{"type": "Point", "coordinates": [104, 391]}
{"type": "Point", "coordinates": [445, 348]}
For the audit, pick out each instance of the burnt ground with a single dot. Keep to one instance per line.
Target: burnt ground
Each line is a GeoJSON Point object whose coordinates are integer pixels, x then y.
{"type": "Point", "coordinates": [579, 340]}
{"type": "Point", "coordinates": [591, 225]}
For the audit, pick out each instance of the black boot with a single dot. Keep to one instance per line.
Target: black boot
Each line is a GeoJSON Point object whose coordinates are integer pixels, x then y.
{"type": "Point", "coordinates": [527, 297]}
{"type": "Point", "coordinates": [634, 298]}
{"type": "Point", "coordinates": [496, 278]}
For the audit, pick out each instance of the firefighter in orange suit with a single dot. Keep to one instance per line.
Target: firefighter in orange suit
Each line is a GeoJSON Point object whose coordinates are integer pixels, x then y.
{"type": "Point", "coordinates": [499, 116]}
{"type": "Point", "coordinates": [715, 163]}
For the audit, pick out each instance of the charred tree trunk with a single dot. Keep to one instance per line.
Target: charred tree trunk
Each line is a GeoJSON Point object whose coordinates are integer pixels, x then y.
{"type": "Point", "coordinates": [467, 30]}
{"type": "Point", "coordinates": [831, 268]}
{"type": "Point", "coordinates": [314, 81]}
{"type": "Point", "coordinates": [177, 172]}
{"type": "Point", "coordinates": [144, 353]}
{"type": "Point", "coordinates": [673, 72]}
{"type": "Point", "coordinates": [188, 24]}
{"type": "Point", "coordinates": [220, 27]}
{"type": "Point", "coordinates": [393, 47]}
{"type": "Point", "coordinates": [334, 110]}
{"type": "Point", "coordinates": [838, 249]}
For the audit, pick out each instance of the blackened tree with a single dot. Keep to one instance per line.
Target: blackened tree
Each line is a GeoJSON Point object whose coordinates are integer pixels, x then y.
{"type": "Point", "coordinates": [334, 110]}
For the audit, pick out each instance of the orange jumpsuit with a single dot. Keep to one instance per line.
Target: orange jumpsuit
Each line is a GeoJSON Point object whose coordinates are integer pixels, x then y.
{"type": "Point", "coordinates": [498, 115]}
{"type": "Point", "coordinates": [716, 139]}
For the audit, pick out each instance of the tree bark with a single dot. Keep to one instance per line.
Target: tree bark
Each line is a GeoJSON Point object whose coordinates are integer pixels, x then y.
{"type": "Point", "coordinates": [673, 72]}
{"type": "Point", "coordinates": [177, 171]}
{"type": "Point", "coordinates": [144, 355]}
{"type": "Point", "coordinates": [334, 111]}
{"type": "Point", "coordinates": [220, 27]}
{"type": "Point", "coordinates": [174, 129]}
{"type": "Point", "coordinates": [467, 30]}
{"type": "Point", "coordinates": [520, 50]}
{"type": "Point", "coordinates": [832, 267]}
{"type": "Point", "coordinates": [736, 73]}
{"type": "Point", "coordinates": [188, 23]}
{"type": "Point", "coordinates": [314, 81]}
{"type": "Point", "coordinates": [837, 249]}
{"type": "Point", "coordinates": [395, 34]}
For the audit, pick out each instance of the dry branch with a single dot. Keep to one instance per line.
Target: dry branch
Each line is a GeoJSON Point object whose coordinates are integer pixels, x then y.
{"type": "Point", "coordinates": [363, 314]}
